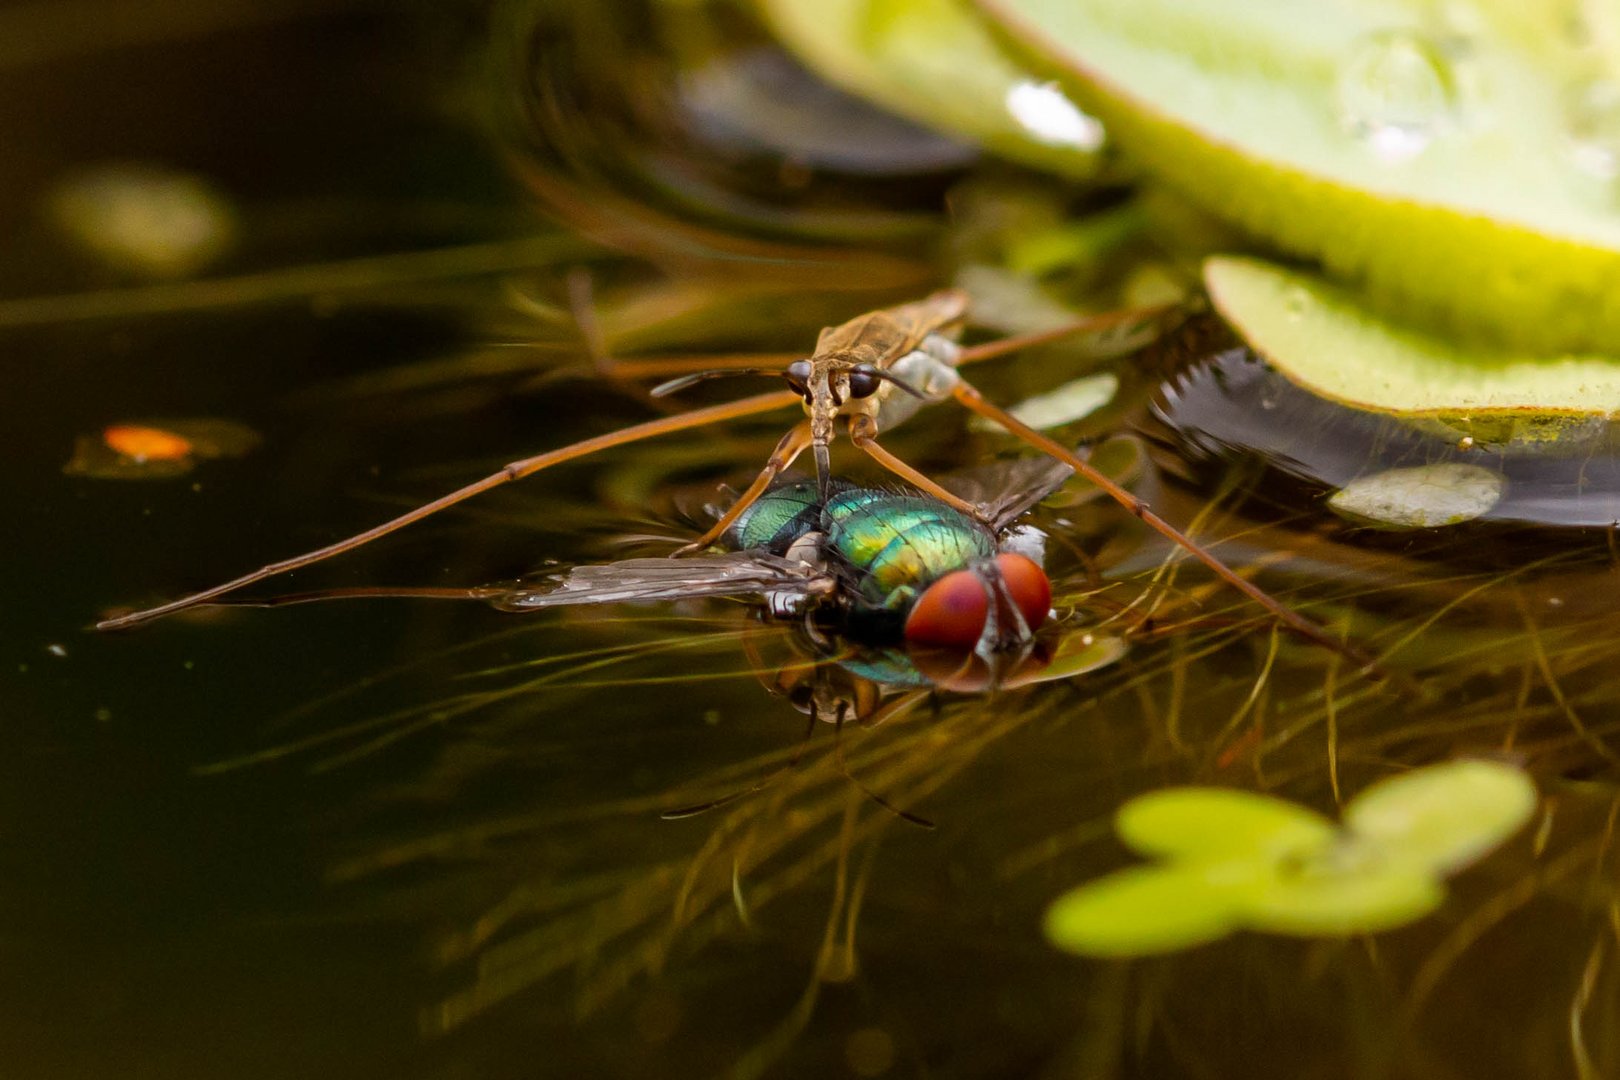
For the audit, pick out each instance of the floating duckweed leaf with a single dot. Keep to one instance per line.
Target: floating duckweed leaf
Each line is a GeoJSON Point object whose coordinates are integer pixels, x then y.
{"type": "Point", "coordinates": [1011, 303]}
{"type": "Point", "coordinates": [1444, 816]}
{"type": "Point", "coordinates": [1072, 401]}
{"type": "Point", "coordinates": [1422, 497]}
{"type": "Point", "coordinates": [1235, 860]}
{"type": "Point", "coordinates": [1429, 162]}
{"type": "Point", "coordinates": [1217, 823]}
{"type": "Point", "coordinates": [932, 61]}
{"type": "Point", "coordinates": [1347, 889]}
{"type": "Point", "coordinates": [1145, 909]}
{"type": "Point", "coordinates": [1318, 336]}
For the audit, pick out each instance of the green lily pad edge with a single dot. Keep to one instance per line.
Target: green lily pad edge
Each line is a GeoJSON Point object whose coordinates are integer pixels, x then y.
{"type": "Point", "coordinates": [1319, 336]}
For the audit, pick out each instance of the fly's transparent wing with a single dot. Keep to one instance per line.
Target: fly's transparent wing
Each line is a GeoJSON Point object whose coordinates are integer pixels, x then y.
{"type": "Point", "coordinates": [734, 574]}
{"type": "Point", "coordinates": [1006, 489]}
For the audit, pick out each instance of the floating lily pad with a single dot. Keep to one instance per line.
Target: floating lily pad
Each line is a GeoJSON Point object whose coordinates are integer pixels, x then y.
{"type": "Point", "coordinates": [1437, 164]}
{"type": "Point", "coordinates": [1319, 336]}
{"type": "Point", "coordinates": [933, 61]}
{"type": "Point", "coordinates": [1232, 405]}
{"type": "Point", "coordinates": [1422, 497]}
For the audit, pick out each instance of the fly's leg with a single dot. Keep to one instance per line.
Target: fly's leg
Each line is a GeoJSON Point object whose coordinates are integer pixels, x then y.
{"type": "Point", "coordinates": [863, 433]}
{"type": "Point", "coordinates": [973, 400]}
{"type": "Point", "coordinates": [791, 446]}
{"type": "Point", "coordinates": [759, 785]}
{"type": "Point", "coordinates": [843, 767]}
{"type": "Point", "coordinates": [517, 470]}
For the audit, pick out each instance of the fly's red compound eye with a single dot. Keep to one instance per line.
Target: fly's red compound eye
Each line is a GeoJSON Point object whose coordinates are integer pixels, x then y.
{"type": "Point", "coordinates": [951, 612]}
{"type": "Point", "coordinates": [1028, 586]}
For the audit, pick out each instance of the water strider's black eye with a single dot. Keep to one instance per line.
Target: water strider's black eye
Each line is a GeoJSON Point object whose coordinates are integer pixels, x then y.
{"type": "Point", "coordinates": [798, 377]}
{"type": "Point", "coordinates": [863, 381]}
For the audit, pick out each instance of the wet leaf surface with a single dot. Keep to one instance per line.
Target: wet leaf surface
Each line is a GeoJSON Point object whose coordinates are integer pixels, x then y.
{"type": "Point", "coordinates": [1427, 162]}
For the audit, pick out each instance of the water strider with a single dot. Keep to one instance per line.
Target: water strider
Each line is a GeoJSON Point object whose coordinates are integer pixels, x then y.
{"type": "Point", "coordinates": [869, 373]}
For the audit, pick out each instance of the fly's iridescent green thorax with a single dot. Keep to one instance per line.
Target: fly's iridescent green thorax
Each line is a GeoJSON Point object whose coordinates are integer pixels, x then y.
{"type": "Point", "coordinates": [895, 544]}
{"type": "Point", "coordinates": [903, 543]}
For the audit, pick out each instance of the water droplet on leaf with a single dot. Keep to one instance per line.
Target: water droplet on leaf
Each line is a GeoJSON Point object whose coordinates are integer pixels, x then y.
{"type": "Point", "coordinates": [1396, 94]}
{"type": "Point", "coordinates": [1593, 118]}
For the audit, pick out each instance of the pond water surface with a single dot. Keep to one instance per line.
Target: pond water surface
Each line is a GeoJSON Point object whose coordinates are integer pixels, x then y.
{"type": "Point", "coordinates": [413, 838]}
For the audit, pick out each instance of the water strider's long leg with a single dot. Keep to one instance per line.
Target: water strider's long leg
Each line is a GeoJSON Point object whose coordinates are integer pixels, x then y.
{"type": "Point", "coordinates": [863, 433]}
{"type": "Point", "coordinates": [1123, 321]}
{"type": "Point", "coordinates": [517, 470]}
{"type": "Point", "coordinates": [659, 367]}
{"type": "Point", "coordinates": [973, 400]}
{"type": "Point", "coordinates": [791, 446]}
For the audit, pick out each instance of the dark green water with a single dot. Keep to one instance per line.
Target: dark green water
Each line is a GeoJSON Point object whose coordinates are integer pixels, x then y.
{"type": "Point", "coordinates": [439, 851]}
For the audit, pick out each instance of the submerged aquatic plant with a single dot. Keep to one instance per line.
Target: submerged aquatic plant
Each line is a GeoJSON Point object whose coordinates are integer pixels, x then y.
{"type": "Point", "coordinates": [1233, 860]}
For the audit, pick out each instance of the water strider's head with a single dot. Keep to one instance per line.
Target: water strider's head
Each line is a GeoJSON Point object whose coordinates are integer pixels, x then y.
{"type": "Point", "coordinates": [826, 383]}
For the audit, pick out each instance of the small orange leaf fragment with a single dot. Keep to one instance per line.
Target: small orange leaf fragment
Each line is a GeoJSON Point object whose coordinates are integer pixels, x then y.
{"type": "Point", "coordinates": [146, 443]}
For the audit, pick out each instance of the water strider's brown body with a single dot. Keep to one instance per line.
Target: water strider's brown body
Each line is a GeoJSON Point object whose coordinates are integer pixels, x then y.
{"type": "Point", "coordinates": [871, 373]}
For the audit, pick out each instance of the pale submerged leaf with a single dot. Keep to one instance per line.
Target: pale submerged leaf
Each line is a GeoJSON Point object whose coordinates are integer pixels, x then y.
{"type": "Point", "coordinates": [1422, 497]}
